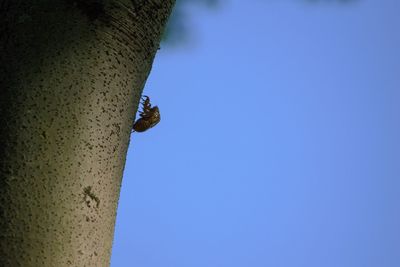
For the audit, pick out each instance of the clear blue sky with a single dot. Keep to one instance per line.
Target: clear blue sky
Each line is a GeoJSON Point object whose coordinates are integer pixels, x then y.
{"type": "Point", "coordinates": [278, 144]}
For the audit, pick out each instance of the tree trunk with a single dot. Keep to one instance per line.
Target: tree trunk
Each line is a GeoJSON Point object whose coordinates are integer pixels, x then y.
{"type": "Point", "coordinates": [71, 75]}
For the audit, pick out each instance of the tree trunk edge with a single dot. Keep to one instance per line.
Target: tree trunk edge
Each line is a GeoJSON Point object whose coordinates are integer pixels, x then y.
{"type": "Point", "coordinates": [70, 81]}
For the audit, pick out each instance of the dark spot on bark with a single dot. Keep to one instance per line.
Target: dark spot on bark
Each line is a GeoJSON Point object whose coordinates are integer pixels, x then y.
{"type": "Point", "coordinates": [93, 9]}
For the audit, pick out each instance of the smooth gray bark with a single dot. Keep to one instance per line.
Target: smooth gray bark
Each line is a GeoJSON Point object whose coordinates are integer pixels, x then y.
{"type": "Point", "coordinates": [71, 75]}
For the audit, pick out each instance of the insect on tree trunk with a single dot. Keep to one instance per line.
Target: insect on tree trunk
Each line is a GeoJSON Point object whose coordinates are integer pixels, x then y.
{"type": "Point", "coordinates": [71, 75]}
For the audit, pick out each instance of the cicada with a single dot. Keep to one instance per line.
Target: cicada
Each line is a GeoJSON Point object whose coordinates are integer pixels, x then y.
{"type": "Point", "coordinates": [149, 116]}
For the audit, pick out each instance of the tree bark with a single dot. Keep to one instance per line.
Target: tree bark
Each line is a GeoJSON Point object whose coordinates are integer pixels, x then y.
{"type": "Point", "coordinates": [71, 75]}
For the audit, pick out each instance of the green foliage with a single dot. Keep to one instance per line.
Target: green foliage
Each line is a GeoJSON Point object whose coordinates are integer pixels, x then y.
{"type": "Point", "coordinates": [177, 30]}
